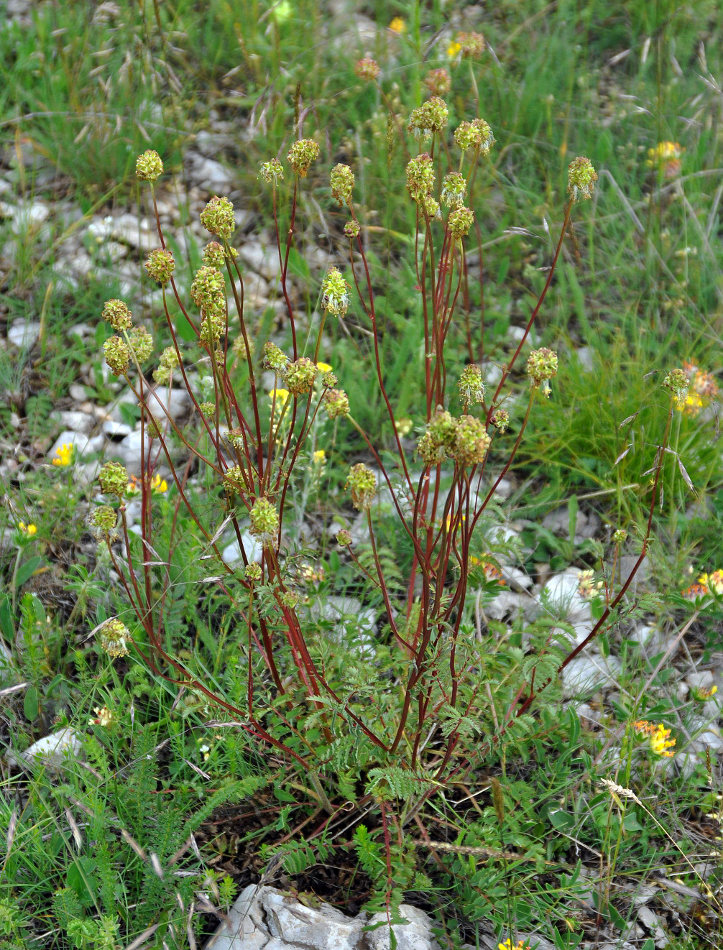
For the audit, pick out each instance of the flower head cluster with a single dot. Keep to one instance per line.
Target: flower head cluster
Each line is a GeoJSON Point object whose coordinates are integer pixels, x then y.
{"type": "Point", "coordinates": [27, 530]}
{"type": "Point", "coordinates": [476, 135]}
{"type": "Point", "coordinates": [398, 25]}
{"type": "Point", "coordinates": [342, 183]}
{"type": "Point", "coordinates": [471, 44]}
{"type": "Point", "coordinates": [64, 455]}
{"type": "Point", "coordinates": [507, 945]}
{"type": "Point", "coordinates": [272, 172]}
{"type": "Point", "coordinates": [706, 585]}
{"type": "Point", "coordinates": [352, 228]}
{"type": "Point", "coordinates": [460, 221]}
{"type": "Point", "coordinates": [213, 255]}
{"type": "Point", "coordinates": [470, 385]}
{"type": "Point", "coordinates": [587, 586]}
{"type": "Point", "coordinates": [264, 520]}
{"type": "Point", "coordinates": [103, 522]}
{"type": "Point", "coordinates": [117, 314]}
{"type": "Point", "coordinates": [500, 419]}
{"type": "Point", "coordinates": [660, 743]}
{"type": "Point", "coordinates": [300, 376]}
{"type": "Point", "coordinates": [367, 68]}
{"type": "Point", "coordinates": [437, 439]}
{"type": "Point", "coordinates": [113, 479]}
{"type": "Point", "coordinates": [703, 693]}
{"type": "Point", "coordinates": [362, 483]}
{"type": "Point", "coordinates": [665, 158]}
{"type": "Point", "coordinates": [301, 155]}
{"type": "Point", "coordinates": [218, 217]}
{"type": "Point", "coordinates": [541, 367]}
{"type": "Point", "coordinates": [335, 293]}
{"type": "Point", "coordinates": [581, 178]}
{"type": "Point", "coordinates": [432, 116]}
{"type": "Point", "coordinates": [620, 536]}
{"type": "Point", "coordinates": [471, 442]}
{"type": "Point", "coordinates": [160, 265]}
{"type": "Point", "coordinates": [114, 637]}
{"type": "Point", "coordinates": [208, 292]}
{"type": "Point", "coordinates": [336, 403]}
{"type": "Point", "coordinates": [117, 355]}
{"type": "Point", "coordinates": [454, 188]}
{"type": "Point", "coordinates": [703, 390]}
{"type": "Point", "coordinates": [167, 363]}
{"type": "Point", "coordinates": [438, 81]}
{"type": "Point", "coordinates": [420, 177]}
{"type": "Point", "coordinates": [140, 342]}
{"type": "Point", "coordinates": [149, 166]}
{"type": "Point", "coordinates": [274, 358]}
{"type": "Point", "coordinates": [678, 383]}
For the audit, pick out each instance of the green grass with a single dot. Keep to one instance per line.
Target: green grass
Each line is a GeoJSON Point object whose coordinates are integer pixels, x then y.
{"type": "Point", "coordinates": [638, 285]}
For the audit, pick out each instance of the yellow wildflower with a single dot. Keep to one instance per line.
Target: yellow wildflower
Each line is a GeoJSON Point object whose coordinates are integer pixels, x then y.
{"type": "Point", "coordinates": [27, 529]}
{"type": "Point", "coordinates": [280, 395]}
{"type": "Point", "coordinates": [319, 457]}
{"type": "Point", "coordinates": [398, 25]}
{"type": "Point", "coordinates": [103, 717]}
{"type": "Point", "coordinates": [507, 945]}
{"type": "Point", "coordinates": [703, 694]}
{"type": "Point", "coordinates": [658, 736]}
{"type": "Point", "coordinates": [453, 48]}
{"type": "Point", "coordinates": [159, 485]}
{"type": "Point", "coordinates": [64, 455]}
{"type": "Point", "coordinates": [665, 157]}
{"type": "Point", "coordinates": [323, 367]}
{"type": "Point", "coordinates": [713, 583]}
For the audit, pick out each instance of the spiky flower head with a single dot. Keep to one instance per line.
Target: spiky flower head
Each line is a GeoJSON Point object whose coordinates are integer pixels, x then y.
{"type": "Point", "coordinates": [160, 265]}
{"type": "Point", "coordinates": [113, 479]}
{"type": "Point", "coordinates": [218, 217]}
{"type": "Point", "coordinates": [300, 376]}
{"type": "Point", "coordinates": [213, 255]}
{"type": "Point", "coordinates": [438, 81]}
{"type": "Point", "coordinates": [430, 207]}
{"type": "Point", "coordinates": [432, 116]}
{"type": "Point", "coordinates": [103, 521]}
{"type": "Point", "coordinates": [620, 536]}
{"type": "Point", "coordinates": [471, 44]}
{"type": "Point", "coordinates": [470, 385]}
{"type": "Point", "coordinates": [362, 483]}
{"type": "Point", "coordinates": [475, 135]}
{"type": "Point", "coordinates": [342, 183]}
{"type": "Point", "coordinates": [233, 479]}
{"type": "Point", "coordinates": [581, 178]}
{"type": "Point", "coordinates": [336, 403]}
{"type": "Point", "coordinates": [264, 520]}
{"type": "Point", "coordinates": [274, 358]}
{"type": "Point", "coordinates": [460, 221]}
{"type": "Point", "coordinates": [430, 451]}
{"type": "Point", "coordinates": [272, 172]}
{"type": "Point", "coordinates": [352, 228]}
{"type": "Point", "coordinates": [141, 343]}
{"type": "Point", "coordinates": [253, 572]}
{"type": "Point", "coordinates": [441, 427]}
{"type": "Point", "coordinates": [367, 68]}
{"type": "Point", "coordinates": [335, 293]}
{"type": "Point", "coordinates": [344, 538]}
{"type": "Point", "coordinates": [454, 188]}
{"type": "Point", "coordinates": [117, 314]}
{"type": "Point", "coordinates": [208, 290]}
{"type": "Point", "coordinates": [541, 366]}
{"type": "Point", "coordinates": [420, 176]}
{"type": "Point", "coordinates": [678, 383]}
{"type": "Point", "coordinates": [471, 442]}
{"type": "Point", "coordinates": [329, 380]}
{"type": "Point", "coordinates": [167, 363]}
{"type": "Point", "coordinates": [500, 419]}
{"type": "Point", "coordinates": [301, 154]}
{"type": "Point", "coordinates": [114, 637]}
{"type": "Point", "coordinates": [149, 166]}
{"type": "Point", "coordinates": [117, 355]}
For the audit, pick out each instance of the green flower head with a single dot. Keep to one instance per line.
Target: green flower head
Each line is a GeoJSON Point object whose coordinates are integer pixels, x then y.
{"type": "Point", "coordinates": [362, 483]}
{"type": "Point", "coordinates": [301, 155]}
{"type": "Point", "coordinates": [300, 376]}
{"type": "Point", "coordinates": [149, 166]}
{"type": "Point", "coordinates": [117, 355]}
{"type": "Point", "coordinates": [581, 178]}
{"type": "Point", "coordinates": [113, 479]}
{"type": "Point", "coordinates": [335, 293]}
{"type": "Point", "coordinates": [264, 521]}
{"type": "Point", "coordinates": [218, 217]}
{"type": "Point", "coordinates": [117, 314]}
{"type": "Point", "coordinates": [342, 183]}
{"type": "Point", "coordinates": [160, 265]}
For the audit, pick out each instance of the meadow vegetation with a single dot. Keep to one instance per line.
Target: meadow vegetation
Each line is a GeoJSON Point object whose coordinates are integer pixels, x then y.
{"type": "Point", "coordinates": [496, 320]}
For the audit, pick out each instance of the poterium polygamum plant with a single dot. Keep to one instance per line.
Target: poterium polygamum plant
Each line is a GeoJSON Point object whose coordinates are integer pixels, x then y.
{"type": "Point", "coordinates": [254, 445]}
